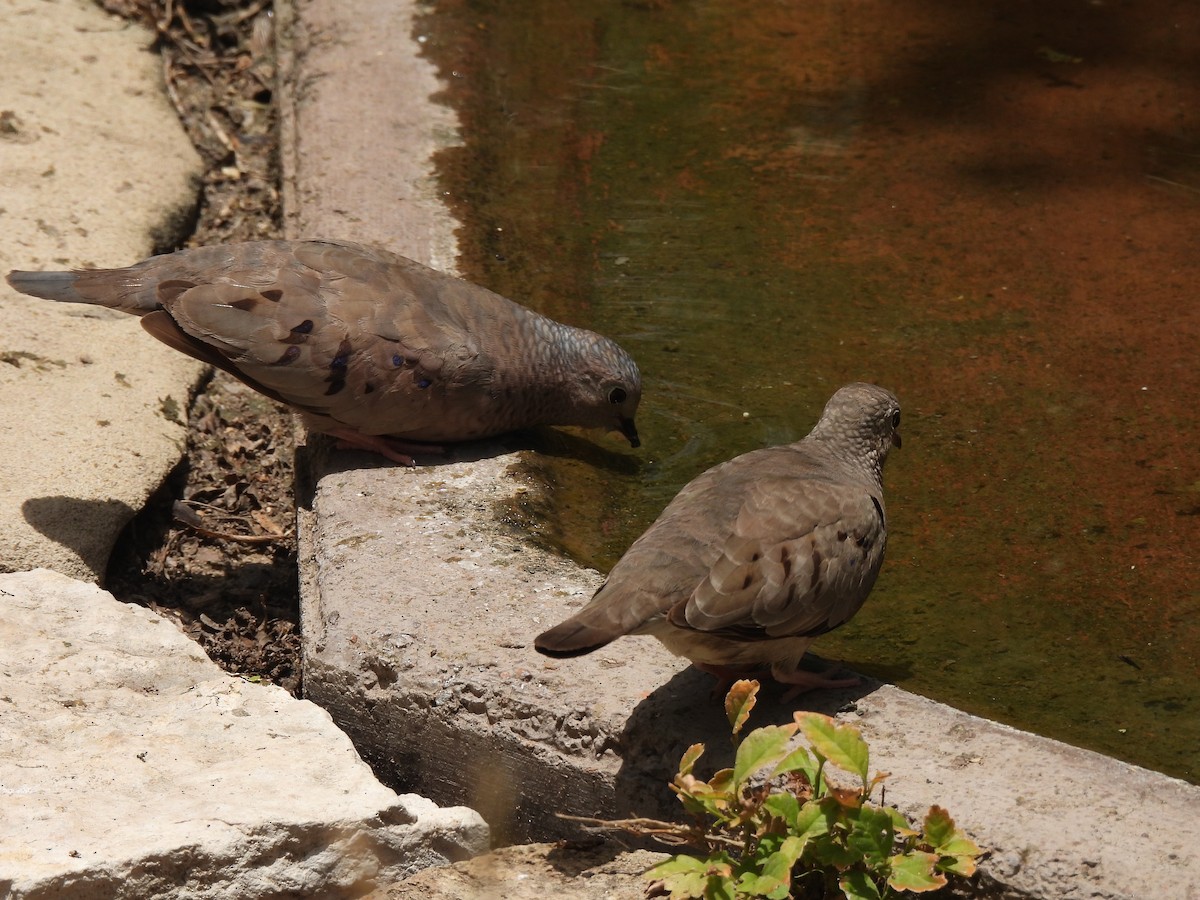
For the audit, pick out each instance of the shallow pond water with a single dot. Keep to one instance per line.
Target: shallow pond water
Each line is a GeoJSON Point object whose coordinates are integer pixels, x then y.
{"type": "Point", "coordinates": [990, 208]}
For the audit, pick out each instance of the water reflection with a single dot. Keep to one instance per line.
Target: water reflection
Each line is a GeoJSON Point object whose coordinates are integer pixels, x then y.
{"type": "Point", "coordinates": [989, 208]}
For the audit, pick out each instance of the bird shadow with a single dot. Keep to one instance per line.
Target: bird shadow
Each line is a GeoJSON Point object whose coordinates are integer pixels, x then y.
{"type": "Point", "coordinates": [88, 528]}
{"type": "Point", "coordinates": [689, 709]}
{"type": "Point", "coordinates": [318, 456]}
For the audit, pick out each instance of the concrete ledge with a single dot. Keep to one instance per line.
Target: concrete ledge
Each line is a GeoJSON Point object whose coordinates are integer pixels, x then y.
{"type": "Point", "coordinates": [419, 613]}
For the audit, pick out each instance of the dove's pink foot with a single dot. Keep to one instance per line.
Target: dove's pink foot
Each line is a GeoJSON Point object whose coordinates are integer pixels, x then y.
{"type": "Point", "coordinates": [391, 448]}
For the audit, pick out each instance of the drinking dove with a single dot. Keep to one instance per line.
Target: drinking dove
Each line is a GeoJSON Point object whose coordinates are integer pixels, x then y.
{"type": "Point", "coordinates": [367, 346]}
{"type": "Point", "coordinates": [757, 556]}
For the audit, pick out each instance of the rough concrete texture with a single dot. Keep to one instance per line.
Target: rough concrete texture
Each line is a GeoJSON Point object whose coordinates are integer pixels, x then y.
{"type": "Point", "coordinates": [131, 766]}
{"type": "Point", "coordinates": [418, 615]}
{"type": "Point", "coordinates": [419, 620]}
{"type": "Point", "coordinates": [96, 170]}
{"type": "Point", "coordinates": [358, 129]}
{"type": "Point", "coordinates": [533, 872]}
{"type": "Point", "coordinates": [419, 607]}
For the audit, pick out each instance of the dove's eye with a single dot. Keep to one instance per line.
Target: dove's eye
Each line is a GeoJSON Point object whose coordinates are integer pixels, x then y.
{"type": "Point", "coordinates": [617, 395]}
{"type": "Point", "coordinates": [896, 419]}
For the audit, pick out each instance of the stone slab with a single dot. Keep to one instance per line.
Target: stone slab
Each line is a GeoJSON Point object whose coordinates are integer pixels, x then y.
{"type": "Point", "coordinates": [533, 872]}
{"type": "Point", "coordinates": [96, 170]}
{"type": "Point", "coordinates": [131, 766]}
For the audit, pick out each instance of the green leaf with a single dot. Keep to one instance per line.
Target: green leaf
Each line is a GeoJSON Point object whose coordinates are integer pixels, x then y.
{"type": "Point", "coordinates": [939, 827]}
{"type": "Point", "coordinates": [799, 760]}
{"type": "Point", "coordinates": [858, 885]}
{"type": "Point", "coordinates": [677, 865]}
{"type": "Point", "coordinates": [779, 864]}
{"type": "Point", "coordinates": [871, 835]}
{"type": "Point", "coordinates": [720, 887]}
{"type": "Point", "coordinates": [700, 798]}
{"type": "Point", "coordinates": [688, 762]}
{"type": "Point", "coordinates": [785, 807]}
{"type": "Point", "coordinates": [827, 834]}
{"type": "Point", "coordinates": [813, 820]}
{"type": "Point", "coordinates": [722, 782]}
{"type": "Point", "coordinates": [689, 877]}
{"type": "Point", "coordinates": [842, 745]}
{"type": "Point", "coordinates": [762, 747]}
{"type": "Point", "coordinates": [900, 823]}
{"type": "Point", "coordinates": [684, 876]}
{"type": "Point", "coordinates": [915, 872]}
{"type": "Point", "coordinates": [687, 886]}
{"type": "Point", "coordinates": [751, 885]}
{"type": "Point", "coordinates": [959, 863]}
{"type": "Point", "coordinates": [957, 851]}
{"type": "Point", "coordinates": [738, 703]}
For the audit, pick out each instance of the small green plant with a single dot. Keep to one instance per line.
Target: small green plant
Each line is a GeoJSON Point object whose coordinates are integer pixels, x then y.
{"type": "Point", "coordinates": [776, 826]}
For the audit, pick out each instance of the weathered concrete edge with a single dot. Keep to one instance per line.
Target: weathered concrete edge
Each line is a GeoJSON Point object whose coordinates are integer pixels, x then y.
{"type": "Point", "coordinates": [1062, 822]}
{"type": "Point", "coordinates": [418, 615]}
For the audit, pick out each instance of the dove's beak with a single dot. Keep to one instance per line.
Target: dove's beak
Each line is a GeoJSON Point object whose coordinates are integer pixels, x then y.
{"type": "Point", "coordinates": [896, 439]}
{"type": "Point", "coordinates": [630, 431]}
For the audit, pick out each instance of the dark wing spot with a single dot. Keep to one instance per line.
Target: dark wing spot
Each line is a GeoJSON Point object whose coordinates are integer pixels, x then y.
{"type": "Point", "coordinates": [245, 304]}
{"type": "Point", "coordinates": [368, 388]}
{"type": "Point", "coordinates": [274, 295]}
{"type": "Point", "coordinates": [749, 580]}
{"type": "Point", "coordinates": [755, 557]}
{"type": "Point", "coordinates": [424, 383]}
{"type": "Point", "coordinates": [815, 584]}
{"type": "Point", "coordinates": [339, 362]}
{"type": "Point", "coordinates": [842, 535]}
{"type": "Point", "coordinates": [289, 355]}
{"type": "Point", "coordinates": [335, 385]}
{"type": "Point", "coordinates": [397, 360]}
{"type": "Point", "coordinates": [785, 558]}
{"type": "Point", "coordinates": [300, 333]}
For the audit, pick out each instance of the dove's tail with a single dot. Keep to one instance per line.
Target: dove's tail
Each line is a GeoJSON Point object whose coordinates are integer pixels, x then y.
{"type": "Point", "coordinates": [122, 289]}
{"type": "Point", "coordinates": [610, 615]}
{"type": "Point", "coordinates": [47, 285]}
{"type": "Point", "coordinates": [574, 637]}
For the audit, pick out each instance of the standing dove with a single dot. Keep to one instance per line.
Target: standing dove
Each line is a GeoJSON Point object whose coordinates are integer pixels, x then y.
{"type": "Point", "coordinates": [757, 556]}
{"type": "Point", "coordinates": [367, 346]}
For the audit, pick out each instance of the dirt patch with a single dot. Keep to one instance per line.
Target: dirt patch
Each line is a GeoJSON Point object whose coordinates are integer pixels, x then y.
{"type": "Point", "coordinates": [215, 550]}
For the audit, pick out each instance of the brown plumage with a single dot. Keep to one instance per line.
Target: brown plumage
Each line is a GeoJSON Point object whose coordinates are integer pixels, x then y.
{"type": "Point", "coordinates": [757, 556]}
{"type": "Point", "coordinates": [368, 346]}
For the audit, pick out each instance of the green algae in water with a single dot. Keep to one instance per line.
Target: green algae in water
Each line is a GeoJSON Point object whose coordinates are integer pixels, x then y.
{"type": "Point", "coordinates": [705, 183]}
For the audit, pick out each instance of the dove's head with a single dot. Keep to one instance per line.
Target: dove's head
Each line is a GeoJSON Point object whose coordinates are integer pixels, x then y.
{"type": "Point", "coordinates": [864, 421]}
{"type": "Point", "coordinates": [607, 388]}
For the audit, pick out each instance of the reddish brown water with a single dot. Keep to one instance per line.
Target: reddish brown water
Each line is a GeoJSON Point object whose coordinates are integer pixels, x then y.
{"type": "Point", "coordinates": [992, 208]}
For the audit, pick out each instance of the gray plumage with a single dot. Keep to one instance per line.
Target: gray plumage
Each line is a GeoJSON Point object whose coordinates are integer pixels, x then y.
{"type": "Point", "coordinates": [365, 344]}
{"type": "Point", "coordinates": [757, 556]}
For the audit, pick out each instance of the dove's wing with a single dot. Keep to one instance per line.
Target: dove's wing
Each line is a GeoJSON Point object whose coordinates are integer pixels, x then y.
{"type": "Point", "coordinates": [337, 332]}
{"type": "Point", "coordinates": [801, 558]}
{"type": "Point", "coordinates": [774, 543]}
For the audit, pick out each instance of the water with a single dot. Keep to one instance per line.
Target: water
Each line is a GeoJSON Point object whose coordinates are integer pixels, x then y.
{"type": "Point", "coordinates": [990, 208]}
